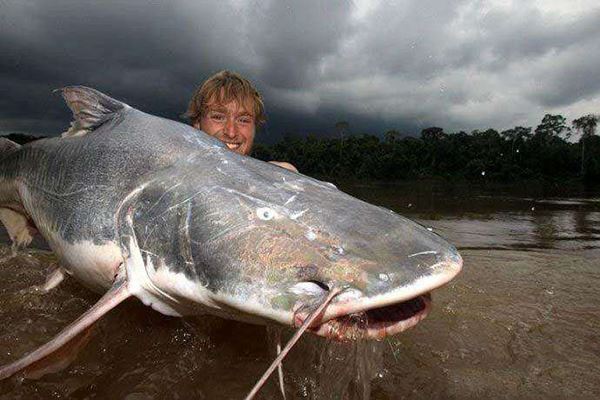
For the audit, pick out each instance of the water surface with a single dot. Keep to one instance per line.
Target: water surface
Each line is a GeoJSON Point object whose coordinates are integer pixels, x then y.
{"type": "Point", "coordinates": [522, 321]}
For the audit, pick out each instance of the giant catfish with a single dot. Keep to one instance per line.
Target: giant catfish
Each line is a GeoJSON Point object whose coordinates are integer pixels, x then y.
{"type": "Point", "coordinates": [137, 205]}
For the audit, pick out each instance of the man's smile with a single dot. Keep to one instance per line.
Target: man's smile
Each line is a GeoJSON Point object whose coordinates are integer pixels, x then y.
{"type": "Point", "coordinates": [232, 146]}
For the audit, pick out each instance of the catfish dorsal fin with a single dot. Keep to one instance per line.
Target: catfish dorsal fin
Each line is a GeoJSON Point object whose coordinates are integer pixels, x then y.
{"type": "Point", "coordinates": [90, 109]}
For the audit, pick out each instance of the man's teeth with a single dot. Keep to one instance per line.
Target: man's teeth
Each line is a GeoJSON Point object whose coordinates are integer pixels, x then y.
{"type": "Point", "coordinates": [232, 146]}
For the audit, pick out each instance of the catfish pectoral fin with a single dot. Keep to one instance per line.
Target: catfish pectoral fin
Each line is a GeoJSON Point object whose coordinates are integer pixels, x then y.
{"type": "Point", "coordinates": [54, 278]}
{"type": "Point", "coordinates": [115, 295]}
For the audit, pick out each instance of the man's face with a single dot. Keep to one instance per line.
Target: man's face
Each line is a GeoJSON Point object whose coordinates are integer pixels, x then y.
{"type": "Point", "coordinates": [232, 123]}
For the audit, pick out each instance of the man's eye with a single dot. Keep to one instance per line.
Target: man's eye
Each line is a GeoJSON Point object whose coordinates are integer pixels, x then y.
{"type": "Point", "coordinates": [217, 117]}
{"type": "Point", "coordinates": [245, 120]}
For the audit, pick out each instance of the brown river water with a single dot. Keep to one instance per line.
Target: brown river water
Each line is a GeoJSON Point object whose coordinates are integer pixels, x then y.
{"type": "Point", "coordinates": [522, 321]}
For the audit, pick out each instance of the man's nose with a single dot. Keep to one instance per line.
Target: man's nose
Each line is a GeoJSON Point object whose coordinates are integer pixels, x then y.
{"type": "Point", "coordinates": [230, 127]}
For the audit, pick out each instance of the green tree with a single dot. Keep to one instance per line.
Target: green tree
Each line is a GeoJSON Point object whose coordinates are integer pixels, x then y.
{"type": "Point", "coordinates": [517, 136]}
{"type": "Point", "coordinates": [435, 143]}
{"type": "Point", "coordinates": [341, 128]}
{"type": "Point", "coordinates": [552, 126]}
{"type": "Point", "coordinates": [392, 136]}
{"type": "Point", "coordinates": [432, 134]}
{"type": "Point", "coordinates": [587, 126]}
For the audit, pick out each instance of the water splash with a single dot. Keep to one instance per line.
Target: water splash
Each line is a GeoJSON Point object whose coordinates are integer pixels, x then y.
{"type": "Point", "coordinates": [327, 370]}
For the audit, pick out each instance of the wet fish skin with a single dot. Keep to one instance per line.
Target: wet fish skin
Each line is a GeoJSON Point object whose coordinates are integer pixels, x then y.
{"type": "Point", "coordinates": [201, 229]}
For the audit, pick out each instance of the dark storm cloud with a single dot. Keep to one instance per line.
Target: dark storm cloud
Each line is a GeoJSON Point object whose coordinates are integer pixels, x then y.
{"type": "Point", "coordinates": [294, 40]}
{"type": "Point", "coordinates": [574, 77]}
{"type": "Point", "coordinates": [151, 56]}
{"type": "Point", "coordinates": [380, 65]}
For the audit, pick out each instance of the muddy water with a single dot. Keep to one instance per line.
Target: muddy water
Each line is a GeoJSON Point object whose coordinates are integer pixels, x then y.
{"type": "Point", "coordinates": [521, 322]}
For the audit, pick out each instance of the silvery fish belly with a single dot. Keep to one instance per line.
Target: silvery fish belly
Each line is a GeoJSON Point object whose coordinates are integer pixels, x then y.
{"type": "Point", "coordinates": [147, 207]}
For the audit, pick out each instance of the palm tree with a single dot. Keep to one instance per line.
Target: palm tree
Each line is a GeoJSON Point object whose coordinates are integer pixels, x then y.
{"type": "Point", "coordinates": [587, 126]}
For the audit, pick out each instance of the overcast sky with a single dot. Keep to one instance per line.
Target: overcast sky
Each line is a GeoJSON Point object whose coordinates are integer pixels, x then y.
{"type": "Point", "coordinates": [379, 65]}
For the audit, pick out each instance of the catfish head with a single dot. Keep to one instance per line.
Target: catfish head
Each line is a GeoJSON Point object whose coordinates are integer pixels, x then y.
{"type": "Point", "coordinates": [233, 236]}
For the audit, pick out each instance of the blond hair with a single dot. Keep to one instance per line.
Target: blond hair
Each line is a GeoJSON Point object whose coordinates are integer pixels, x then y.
{"type": "Point", "coordinates": [222, 88]}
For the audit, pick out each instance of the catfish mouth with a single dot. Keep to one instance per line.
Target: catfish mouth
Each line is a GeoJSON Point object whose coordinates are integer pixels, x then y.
{"type": "Point", "coordinates": [372, 324]}
{"type": "Point", "coordinates": [352, 316]}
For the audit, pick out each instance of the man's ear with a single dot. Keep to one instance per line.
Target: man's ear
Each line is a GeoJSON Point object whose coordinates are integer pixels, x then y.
{"type": "Point", "coordinates": [196, 124]}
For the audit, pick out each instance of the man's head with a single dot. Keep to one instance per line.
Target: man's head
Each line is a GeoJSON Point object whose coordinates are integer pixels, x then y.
{"type": "Point", "coordinates": [228, 107]}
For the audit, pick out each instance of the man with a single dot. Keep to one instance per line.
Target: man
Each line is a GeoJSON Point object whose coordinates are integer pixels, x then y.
{"type": "Point", "coordinates": [229, 108]}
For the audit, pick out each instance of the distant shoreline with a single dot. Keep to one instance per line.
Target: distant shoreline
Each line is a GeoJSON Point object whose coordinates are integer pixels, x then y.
{"type": "Point", "coordinates": [482, 158]}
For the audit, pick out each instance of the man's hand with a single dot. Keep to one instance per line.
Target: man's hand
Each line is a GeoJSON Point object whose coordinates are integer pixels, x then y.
{"type": "Point", "coordinates": [285, 165]}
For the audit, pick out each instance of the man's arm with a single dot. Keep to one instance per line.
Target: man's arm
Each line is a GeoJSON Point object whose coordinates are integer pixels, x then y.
{"type": "Point", "coordinates": [285, 165]}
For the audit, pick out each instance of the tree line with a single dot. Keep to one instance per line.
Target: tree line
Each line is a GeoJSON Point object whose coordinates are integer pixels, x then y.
{"type": "Point", "coordinates": [520, 153]}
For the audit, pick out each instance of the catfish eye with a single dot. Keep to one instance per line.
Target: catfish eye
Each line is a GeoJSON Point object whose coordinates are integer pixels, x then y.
{"type": "Point", "coordinates": [265, 213]}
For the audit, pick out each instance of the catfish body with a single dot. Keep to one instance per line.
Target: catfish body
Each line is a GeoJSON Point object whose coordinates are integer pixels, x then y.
{"type": "Point", "coordinates": [137, 205]}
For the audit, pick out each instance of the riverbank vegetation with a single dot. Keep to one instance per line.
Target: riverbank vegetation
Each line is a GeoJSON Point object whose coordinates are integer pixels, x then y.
{"type": "Point", "coordinates": [547, 152]}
